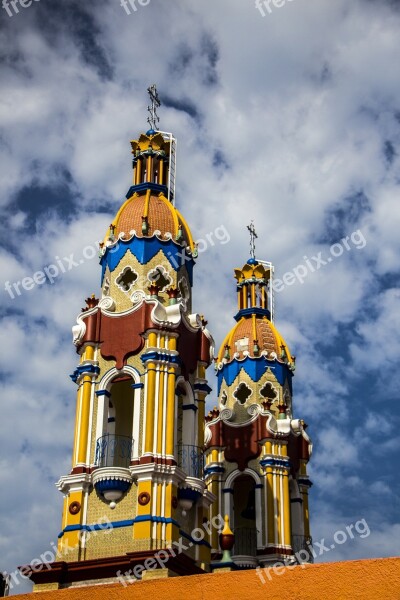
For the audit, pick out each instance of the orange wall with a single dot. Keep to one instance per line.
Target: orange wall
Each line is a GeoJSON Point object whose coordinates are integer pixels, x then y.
{"type": "Point", "coordinates": [354, 580]}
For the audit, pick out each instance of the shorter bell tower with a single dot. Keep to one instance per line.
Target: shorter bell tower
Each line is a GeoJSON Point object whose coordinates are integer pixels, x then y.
{"type": "Point", "coordinates": [256, 451]}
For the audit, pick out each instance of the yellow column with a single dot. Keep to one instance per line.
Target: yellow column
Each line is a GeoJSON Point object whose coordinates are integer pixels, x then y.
{"type": "Point", "coordinates": [263, 297]}
{"type": "Point", "coordinates": [77, 430]}
{"type": "Point", "coordinates": [166, 173]}
{"type": "Point", "coordinates": [160, 412]}
{"type": "Point", "coordinates": [171, 411]}
{"type": "Point", "coordinates": [286, 503]}
{"type": "Point", "coordinates": [244, 296]}
{"type": "Point", "coordinates": [161, 172]}
{"type": "Point", "coordinates": [150, 399]}
{"type": "Point", "coordinates": [150, 402]}
{"type": "Point", "coordinates": [171, 531]}
{"type": "Point", "coordinates": [253, 294]}
{"type": "Point", "coordinates": [277, 476]}
{"type": "Point", "coordinates": [71, 539]}
{"type": "Point", "coordinates": [270, 498]}
{"type": "Point", "coordinates": [149, 168]}
{"type": "Point", "coordinates": [171, 403]}
{"type": "Point", "coordinates": [138, 172]}
{"type": "Point", "coordinates": [83, 413]}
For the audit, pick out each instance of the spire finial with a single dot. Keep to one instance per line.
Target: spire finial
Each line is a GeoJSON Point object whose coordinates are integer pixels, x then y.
{"type": "Point", "coordinates": [153, 119]}
{"type": "Point", "coordinates": [253, 237]}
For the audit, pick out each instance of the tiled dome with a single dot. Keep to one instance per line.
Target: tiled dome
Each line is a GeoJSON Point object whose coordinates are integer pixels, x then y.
{"type": "Point", "coordinates": [241, 339]}
{"type": "Point", "coordinates": [161, 216]}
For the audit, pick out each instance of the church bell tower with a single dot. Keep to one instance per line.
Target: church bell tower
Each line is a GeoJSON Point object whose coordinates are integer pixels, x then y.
{"type": "Point", "coordinates": [136, 484]}
{"type": "Point", "coordinates": [256, 451]}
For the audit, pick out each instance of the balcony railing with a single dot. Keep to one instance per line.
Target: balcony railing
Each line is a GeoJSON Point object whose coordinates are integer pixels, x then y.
{"type": "Point", "coordinates": [114, 451]}
{"type": "Point", "coordinates": [245, 541]}
{"type": "Point", "coordinates": [302, 542]}
{"type": "Point", "coordinates": [191, 460]}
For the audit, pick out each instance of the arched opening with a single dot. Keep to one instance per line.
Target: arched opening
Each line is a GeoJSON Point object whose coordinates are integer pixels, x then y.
{"type": "Point", "coordinates": [244, 516]}
{"type": "Point", "coordinates": [114, 448]}
{"type": "Point", "coordinates": [189, 455]}
{"type": "Point", "coordinates": [121, 399]}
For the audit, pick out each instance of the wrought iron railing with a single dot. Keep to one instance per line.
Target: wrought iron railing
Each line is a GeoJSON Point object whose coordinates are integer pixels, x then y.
{"type": "Point", "coordinates": [114, 451]}
{"type": "Point", "coordinates": [191, 460]}
{"type": "Point", "coordinates": [245, 541]}
{"type": "Point", "coordinates": [302, 542]}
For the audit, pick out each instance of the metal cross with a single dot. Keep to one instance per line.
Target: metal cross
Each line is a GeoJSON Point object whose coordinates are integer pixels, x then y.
{"type": "Point", "coordinates": [253, 237]}
{"type": "Point", "coordinates": [153, 119]}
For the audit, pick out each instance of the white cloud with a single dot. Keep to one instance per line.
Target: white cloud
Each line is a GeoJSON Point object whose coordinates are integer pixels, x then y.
{"type": "Point", "coordinates": [300, 105]}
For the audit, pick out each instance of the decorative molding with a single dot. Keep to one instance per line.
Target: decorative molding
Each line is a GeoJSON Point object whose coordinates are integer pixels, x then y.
{"type": "Point", "coordinates": [112, 473]}
{"type": "Point", "coordinates": [89, 367]}
{"type": "Point", "coordinates": [107, 304]}
{"type": "Point", "coordinates": [254, 410]}
{"type": "Point", "coordinates": [225, 415]}
{"type": "Point", "coordinates": [74, 483]}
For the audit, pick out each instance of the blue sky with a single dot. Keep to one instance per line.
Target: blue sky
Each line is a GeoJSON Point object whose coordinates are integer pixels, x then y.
{"type": "Point", "coordinates": [291, 119]}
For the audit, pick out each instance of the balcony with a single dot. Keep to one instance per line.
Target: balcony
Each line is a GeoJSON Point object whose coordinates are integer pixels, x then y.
{"type": "Point", "coordinates": [304, 543]}
{"type": "Point", "coordinates": [114, 451]}
{"type": "Point", "coordinates": [191, 460]}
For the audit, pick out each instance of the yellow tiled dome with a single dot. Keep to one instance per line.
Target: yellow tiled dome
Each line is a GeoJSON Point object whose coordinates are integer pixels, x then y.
{"type": "Point", "coordinates": [250, 328]}
{"type": "Point", "coordinates": [161, 216]}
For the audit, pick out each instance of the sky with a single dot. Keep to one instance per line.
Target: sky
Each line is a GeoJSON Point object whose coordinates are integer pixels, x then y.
{"type": "Point", "coordinates": [288, 115]}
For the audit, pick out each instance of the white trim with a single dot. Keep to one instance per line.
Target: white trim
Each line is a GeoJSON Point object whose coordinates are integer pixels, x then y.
{"type": "Point", "coordinates": [106, 380]}
{"type": "Point", "coordinates": [165, 420]}
{"type": "Point", "coordinates": [275, 389]}
{"type": "Point", "coordinates": [82, 540]}
{"type": "Point", "coordinates": [229, 483]}
{"type": "Point", "coordinates": [282, 512]}
{"type": "Point", "coordinates": [232, 476]}
{"type": "Point", "coordinates": [78, 424]}
{"type": "Point", "coordinates": [266, 492]}
{"type": "Point", "coordinates": [276, 540]}
{"type": "Point", "coordinates": [236, 389]}
{"type": "Point", "coordinates": [124, 270]}
{"type": "Point", "coordinates": [165, 273]}
{"type": "Point", "coordinates": [163, 525]}
{"type": "Point", "coordinates": [105, 385]}
{"type": "Point", "coordinates": [145, 405]}
{"type": "Point", "coordinates": [259, 519]}
{"type": "Point", "coordinates": [91, 409]}
{"type": "Point", "coordinates": [136, 422]}
{"type": "Point", "coordinates": [154, 508]}
{"type": "Point", "coordinates": [102, 415]}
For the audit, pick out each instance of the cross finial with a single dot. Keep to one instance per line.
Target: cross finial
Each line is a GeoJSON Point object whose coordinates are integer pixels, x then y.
{"type": "Point", "coordinates": [153, 119]}
{"type": "Point", "coordinates": [253, 237]}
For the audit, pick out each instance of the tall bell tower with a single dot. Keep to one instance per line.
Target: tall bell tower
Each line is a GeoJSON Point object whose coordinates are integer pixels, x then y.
{"type": "Point", "coordinates": [136, 484]}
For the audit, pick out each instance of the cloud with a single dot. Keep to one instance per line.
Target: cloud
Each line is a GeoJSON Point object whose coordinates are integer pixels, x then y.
{"type": "Point", "coordinates": [291, 120]}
